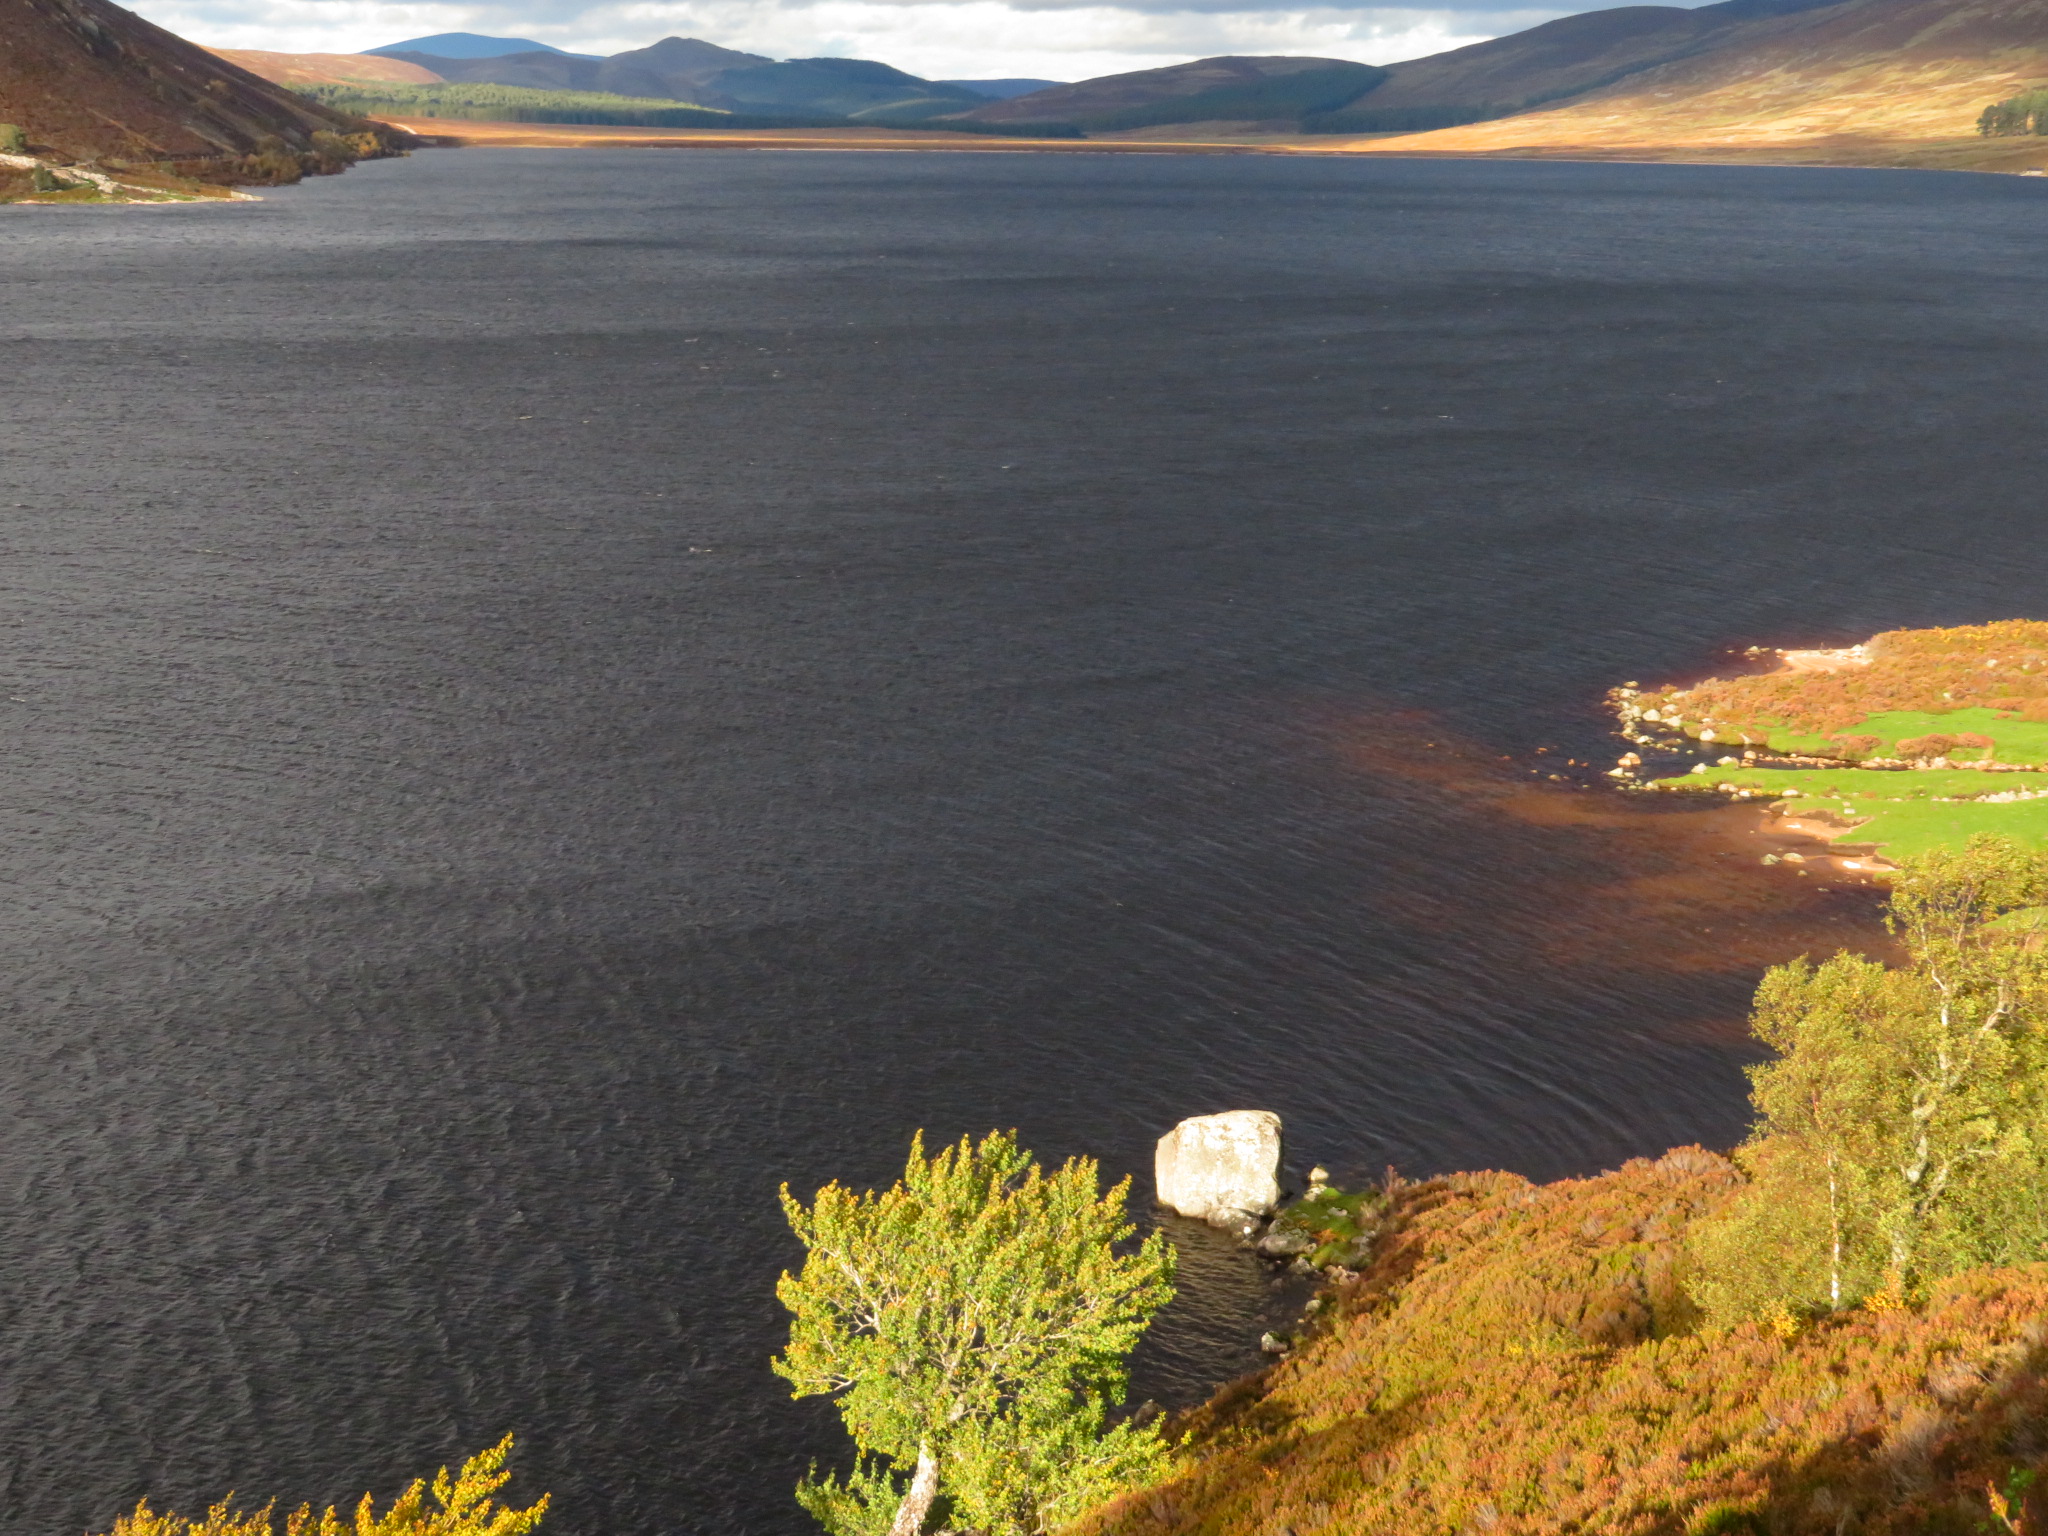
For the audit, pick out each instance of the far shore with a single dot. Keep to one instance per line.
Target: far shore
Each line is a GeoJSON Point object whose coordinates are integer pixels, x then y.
{"type": "Point", "coordinates": [2022, 156]}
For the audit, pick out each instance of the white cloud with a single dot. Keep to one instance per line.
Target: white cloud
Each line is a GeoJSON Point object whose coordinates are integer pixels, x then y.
{"type": "Point", "coordinates": [968, 39]}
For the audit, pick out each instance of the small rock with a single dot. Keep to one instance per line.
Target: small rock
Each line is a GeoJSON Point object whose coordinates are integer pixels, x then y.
{"type": "Point", "coordinates": [1284, 1241]}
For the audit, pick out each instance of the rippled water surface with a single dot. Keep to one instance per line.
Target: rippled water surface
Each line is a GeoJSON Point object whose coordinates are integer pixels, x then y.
{"type": "Point", "coordinates": [548, 693]}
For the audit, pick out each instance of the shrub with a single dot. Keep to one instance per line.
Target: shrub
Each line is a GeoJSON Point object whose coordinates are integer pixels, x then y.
{"type": "Point", "coordinates": [1922, 748]}
{"type": "Point", "coordinates": [971, 1324]}
{"type": "Point", "coordinates": [458, 1506]}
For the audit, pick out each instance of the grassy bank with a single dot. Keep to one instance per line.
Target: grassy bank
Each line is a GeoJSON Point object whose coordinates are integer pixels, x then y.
{"type": "Point", "coordinates": [1922, 737]}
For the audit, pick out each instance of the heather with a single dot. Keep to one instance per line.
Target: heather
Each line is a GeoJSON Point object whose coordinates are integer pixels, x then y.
{"type": "Point", "coordinates": [1841, 1326]}
{"type": "Point", "coordinates": [2001, 667]}
{"type": "Point", "coordinates": [1523, 1358]}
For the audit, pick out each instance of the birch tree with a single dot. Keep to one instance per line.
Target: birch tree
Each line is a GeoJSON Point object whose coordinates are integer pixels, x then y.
{"type": "Point", "coordinates": [1900, 1126]}
{"type": "Point", "coordinates": [971, 1325]}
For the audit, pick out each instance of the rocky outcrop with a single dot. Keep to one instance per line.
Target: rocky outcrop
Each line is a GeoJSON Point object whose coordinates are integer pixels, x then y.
{"type": "Point", "coordinates": [1223, 1169]}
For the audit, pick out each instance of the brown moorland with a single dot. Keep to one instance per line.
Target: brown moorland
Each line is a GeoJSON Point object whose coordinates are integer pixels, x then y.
{"type": "Point", "coordinates": [90, 82]}
{"type": "Point", "coordinates": [1871, 82]}
{"type": "Point", "coordinates": [1521, 1360]}
{"type": "Point", "coordinates": [326, 68]}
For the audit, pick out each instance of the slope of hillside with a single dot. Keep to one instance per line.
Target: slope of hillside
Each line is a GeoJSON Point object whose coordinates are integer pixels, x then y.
{"type": "Point", "coordinates": [537, 71]}
{"type": "Point", "coordinates": [1867, 82]}
{"type": "Point", "coordinates": [854, 88]}
{"type": "Point", "coordinates": [1216, 89]}
{"type": "Point", "coordinates": [1003, 90]}
{"type": "Point", "coordinates": [467, 45]}
{"type": "Point", "coordinates": [295, 69]}
{"type": "Point", "coordinates": [1557, 59]}
{"type": "Point", "coordinates": [1521, 1360]}
{"type": "Point", "coordinates": [89, 81]}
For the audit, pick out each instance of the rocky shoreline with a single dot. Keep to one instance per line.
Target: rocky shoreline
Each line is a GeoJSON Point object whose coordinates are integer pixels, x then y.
{"type": "Point", "coordinates": [1225, 1169]}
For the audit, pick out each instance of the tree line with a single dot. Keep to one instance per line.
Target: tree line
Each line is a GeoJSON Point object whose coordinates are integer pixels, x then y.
{"type": "Point", "coordinates": [2024, 113]}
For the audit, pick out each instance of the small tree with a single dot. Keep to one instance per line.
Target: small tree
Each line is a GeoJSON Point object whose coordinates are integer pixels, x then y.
{"type": "Point", "coordinates": [972, 1324]}
{"type": "Point", "coordinates": [1897, 1131]}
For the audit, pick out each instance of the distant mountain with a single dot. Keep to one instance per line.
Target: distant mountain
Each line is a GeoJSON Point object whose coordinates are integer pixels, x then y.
{"type": "Point", "coordinates": [541, 71]}
{"type": "Point", "coordinates": [1558, 59]}
{"type": "Point", "coordinates": [679, 67]}
{"type": "Point", "coordinates": [471, 45]}
{"type": "Point", "coordinates": [855, 88]}
{"type": "Point", "coordinates": [690, 69]}
{"type": "Point", "coordinates": [88, 81]}
{"type": "Point", "coordinates": [1003, 90]}
{"type": "Point", "coordinates": [1228, 89]}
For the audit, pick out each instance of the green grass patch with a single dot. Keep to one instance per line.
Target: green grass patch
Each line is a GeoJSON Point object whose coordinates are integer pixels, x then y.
{"type": "Point", "coordinates": [1856, 787]}
{"type": "Point", "coordinates": [2017, 740]}
{"type": "Point", "coordinates": [1903, 829]}
{"type": "Point", "coordinates": [1340, 1223]}
{"type": "Point", "coordinates": [1909, 811]}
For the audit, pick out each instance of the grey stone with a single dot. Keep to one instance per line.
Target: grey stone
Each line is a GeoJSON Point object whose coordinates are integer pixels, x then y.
{"type": "Point", "coordinates": [1283, 1240]}
{"type": "Point", "coordinates": [1213, 1164]}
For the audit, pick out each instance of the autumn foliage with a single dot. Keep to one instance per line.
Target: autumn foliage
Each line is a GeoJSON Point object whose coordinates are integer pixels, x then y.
{"type": "Point", "coordinates": [2002, 666]}
{"type": "Point", "coordinates": [457, 1505]}
{"type": "Point", "coordinates": [1513, 1363]}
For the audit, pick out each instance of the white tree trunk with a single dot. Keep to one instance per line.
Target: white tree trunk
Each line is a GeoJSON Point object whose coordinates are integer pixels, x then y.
{"type": "Point", "coordinates": [917, 1503]}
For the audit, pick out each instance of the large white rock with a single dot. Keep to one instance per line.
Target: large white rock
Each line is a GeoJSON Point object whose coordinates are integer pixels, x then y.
{"type": "Point", "coordinates": [1220, 1167]}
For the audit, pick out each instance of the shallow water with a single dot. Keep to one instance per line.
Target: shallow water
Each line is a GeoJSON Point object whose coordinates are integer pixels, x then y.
{"type": "Point", "coordinates": [550, 693]}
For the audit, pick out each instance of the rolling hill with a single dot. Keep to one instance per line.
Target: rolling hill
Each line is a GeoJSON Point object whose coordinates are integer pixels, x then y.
{"type": "Point", "coordinates": [1870, 82]}
{"type": "Point", "coordinates": [689, 69]}
{"type": "Point", "coordinates": [1559, 59]}
{"type": "Point", "coordinates": [470, 45]}
{"type": "Point", "coordinates": [1207, 90]}
{"type": "Point", "coordinates": [90, 82]}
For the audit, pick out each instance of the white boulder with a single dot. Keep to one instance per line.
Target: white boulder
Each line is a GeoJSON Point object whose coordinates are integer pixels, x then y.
{"type": "Point", "coordinates": [1221, 1168]}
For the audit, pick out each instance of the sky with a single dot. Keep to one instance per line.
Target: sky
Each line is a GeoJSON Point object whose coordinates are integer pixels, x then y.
{"type": "Point", "coordinates": [939, 39]}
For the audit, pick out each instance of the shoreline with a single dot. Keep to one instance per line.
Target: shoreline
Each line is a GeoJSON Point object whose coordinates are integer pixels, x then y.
{"type": "Point", "coordinates": [1951, 155]}
{"type": "Point", "coordinates": [1912, 741]}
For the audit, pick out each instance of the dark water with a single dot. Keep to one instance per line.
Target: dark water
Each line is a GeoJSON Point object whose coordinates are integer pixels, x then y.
{"type": "Point", "coordinates": [548, 693]}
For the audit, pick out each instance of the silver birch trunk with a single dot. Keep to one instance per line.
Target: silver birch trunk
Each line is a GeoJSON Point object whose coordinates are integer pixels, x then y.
{"type": "Point", "coordinates": [917, 1503]}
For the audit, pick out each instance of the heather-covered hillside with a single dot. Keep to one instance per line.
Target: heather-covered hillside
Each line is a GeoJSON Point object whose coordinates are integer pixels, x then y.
{"type": "Point", "coordinates": [88, 82]}
{"type": "Point", "coordinates": [1523, 1359]}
